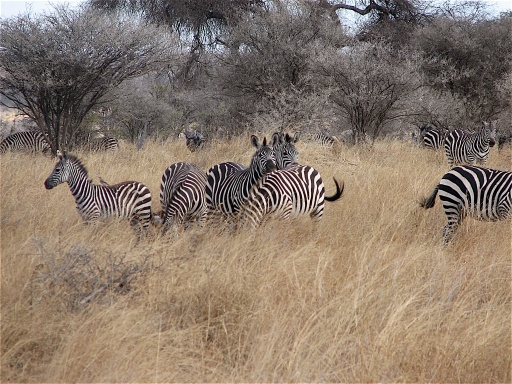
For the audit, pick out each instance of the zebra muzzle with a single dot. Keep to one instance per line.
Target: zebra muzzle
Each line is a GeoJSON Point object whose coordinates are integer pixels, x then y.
{"type": "Point", "coordinates": [270, 166]}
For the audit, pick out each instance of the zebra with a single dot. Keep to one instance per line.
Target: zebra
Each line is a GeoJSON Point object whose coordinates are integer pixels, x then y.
{"type": "Point", "coordinates": [228, 184]}
{"type": "Point", "coordinates": [129, 199]}
{"type": "Point", "coordinates": [193, 139]}
{"type": "Point", "coordinates": [183, 195]}
{"type": "Point", "coordinates": [462, 147]}
{"type": "Point", "coordinates": [295, 191]}
{"type": "Point", "coordinates": [103, 144]}
{"type": "Point", "coordinates": [284, 148]}
{"type": "Point", "coordinates": [325, 139]}
{"type": "Point", "coordinates": [484, 193]}
{"type": "Point", "coordinates": [433, 137]}
{"type": "Point", "coordinates": [25, 141]}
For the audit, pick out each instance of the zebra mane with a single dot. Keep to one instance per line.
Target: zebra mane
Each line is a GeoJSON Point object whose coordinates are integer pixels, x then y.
{"type": "Point", "coordinates": [77, 162]}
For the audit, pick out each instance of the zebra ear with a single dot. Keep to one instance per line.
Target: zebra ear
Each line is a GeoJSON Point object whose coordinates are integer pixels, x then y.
{"type": "Point", "coordinates": [59, 154]}
{"type": "Point", "coordinates": [275, 138]}
{"type": "Point", "coordinates": [255, 142]}
{"type": "Point", "coordinates": [296, 136]}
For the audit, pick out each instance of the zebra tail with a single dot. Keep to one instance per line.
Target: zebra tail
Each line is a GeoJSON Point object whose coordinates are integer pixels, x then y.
{"type": "Point", "coordinates": [429, 202]}
{"type": "Point", "coordinates": [339, 191]}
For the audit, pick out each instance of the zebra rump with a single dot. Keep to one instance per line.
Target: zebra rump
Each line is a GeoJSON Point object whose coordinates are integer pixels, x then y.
{"type": "Point", "coordinates": [463, 147]}
{"type": "Point", "coordinates": [433, 137]}
{"type": "Point", "coordinates": [283, 194]}
{"type": "Point", "coordinates": [129, 199]}
{"type": "Point", "coordinates": [484, 193]}
{"type": "Point", "coordinates": [29, 141]}
{"type": "Point", "coordinates": [182, 195]}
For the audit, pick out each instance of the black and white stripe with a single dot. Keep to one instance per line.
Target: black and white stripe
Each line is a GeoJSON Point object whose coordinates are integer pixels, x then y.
{"type": "Point", "coordinates": [228, 185]}
{"type": "Point", "coordinates": [433, 137]}
{"type": "Point", "coordinates": [462, 147]}
{"type": "Point", "coordinates": [183, 195]}
{"type": "Point", "coordinates": [485, 194]}
{"type": "Point", "coordinates": [284, 149]}
{"type": "Point", "coordinates": [324, 139]}
{"type": "Point", "coordinates": [29, 141]}
{"type": "Point", "coordinates": [295, 191]}
{"type": "Point", "coordinates": [129, 199]}
{"type": "Point", "coordinates": [103, 144]}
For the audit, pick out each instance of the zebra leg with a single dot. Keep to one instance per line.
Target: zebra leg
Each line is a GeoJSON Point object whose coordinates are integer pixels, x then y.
{"type": "Point", "coordinates": [449, 231]}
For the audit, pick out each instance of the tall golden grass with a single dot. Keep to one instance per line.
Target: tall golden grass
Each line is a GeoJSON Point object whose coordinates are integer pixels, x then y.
{"type": "Point", "coordinates": [367, 295]}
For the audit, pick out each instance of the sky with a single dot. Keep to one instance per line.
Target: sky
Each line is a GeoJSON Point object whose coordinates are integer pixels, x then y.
{"type": "Point", "coordinates": [13, 8]}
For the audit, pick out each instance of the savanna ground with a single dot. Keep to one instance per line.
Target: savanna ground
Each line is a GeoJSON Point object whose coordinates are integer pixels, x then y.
{"type": "Point", "coordinates": [370, 295]}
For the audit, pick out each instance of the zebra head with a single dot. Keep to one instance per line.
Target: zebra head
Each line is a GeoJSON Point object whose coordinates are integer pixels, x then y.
{"type": "Point", "coordinates": [284, 147]}
{"type": "Point", "coordinates": [264, 160]}
{"type": "Point", "coordinates": [489, 132]}
{"type": "Point", "coordinates": [60, 173]}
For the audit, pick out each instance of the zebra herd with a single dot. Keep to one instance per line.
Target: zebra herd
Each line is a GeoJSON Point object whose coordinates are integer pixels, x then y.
{"type": "Point", "coordinates": [467, 189]}
{"type": "Point", "coordinates": [274, 185]}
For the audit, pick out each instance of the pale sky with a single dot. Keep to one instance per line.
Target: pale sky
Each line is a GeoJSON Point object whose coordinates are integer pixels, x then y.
{"type": "Point", "coordinates": [13, 8]}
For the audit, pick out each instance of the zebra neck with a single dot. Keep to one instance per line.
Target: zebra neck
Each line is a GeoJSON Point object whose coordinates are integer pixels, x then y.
{"type": "Point", "coordinates": [78, 183]}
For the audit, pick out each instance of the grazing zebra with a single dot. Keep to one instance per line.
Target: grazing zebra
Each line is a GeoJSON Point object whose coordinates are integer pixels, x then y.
{"type": "Point", "coordinates": [25, 141]}
{"type": "Point", "coordinates": [325, 139]}
{"type": "Point", "coordinates": [433, 137]}
{"type": "Point", "coordinates": [295, 191]}
{"type": "Point", "coordinates": [483, 193]}
{"type": "Point", "coordinates": [103, 144]}
{"type": "Point", "coordinates": [285, 150]}
{"type": "Point", "coordinates": [182, 195]}
{"type": "Point", "coordinates": [462, 147]}
{"type": "Point", "coordinates": [193, 139]}
{"type": "Point", "coordinates": [129, 199]}
{"type": "Point", "coordinates": [228, 184]}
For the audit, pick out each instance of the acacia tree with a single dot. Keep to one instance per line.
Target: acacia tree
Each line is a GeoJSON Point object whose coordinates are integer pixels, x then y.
{"type": "Point", "coordinates": [368, 82]}
{"type": "Point", "coordinates": [200, 24]}
{"type": "Point", "coordinates": [58, 66]}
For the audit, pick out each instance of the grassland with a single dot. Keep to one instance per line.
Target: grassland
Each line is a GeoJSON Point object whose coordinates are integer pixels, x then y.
{"type": "Point", "coordinates": [367, 295]}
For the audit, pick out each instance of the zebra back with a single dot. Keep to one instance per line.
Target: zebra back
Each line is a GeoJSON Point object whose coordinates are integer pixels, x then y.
{"type": "Point", "coordinates": [182, 195]}
{"type": "Point", "coordinates": [284, 148]}
{"type": "Point", "coordinates": [295, 191]}
{"type": "Point", "coordinates": [228, 186]}
{"type": "Point", "coordinates": [129, 199]}
{"type": "Point", "coordinates": [29, 141]}
{"type": "Point", "coordinates": [463, 147]}
{"type": "Point", "coordinates": [484, 193]}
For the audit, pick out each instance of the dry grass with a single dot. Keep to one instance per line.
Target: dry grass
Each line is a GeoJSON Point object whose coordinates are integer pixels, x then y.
{"type": "Point", "coordinates": [368, 296]}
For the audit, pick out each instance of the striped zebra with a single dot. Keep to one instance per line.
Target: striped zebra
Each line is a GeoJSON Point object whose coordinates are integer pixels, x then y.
{"type": "Point", "coordinates": [295, 191]}
{"type": "Point", "coordinates": [228, 184]}
{"type": "Point", "coordinates": [103, 144]}
{"type": "Point", "coordinates": [129, 199]}
{"type": "Point", "coordinates": [29, 141]}
{"type": "Point", "coordinates": [325, 139]}
{"type": "Point", "coordinates": [433, 137]}
{"type": "Point", "coordinates": [183, 195]}
{"type": "Point", "coordinates": [462, 147]}
{"type": "Point", "coordinates": [485, 194]}
{"type": "Point", "coordinates": [193, 140]}
{"type": "Point", "coordinates": [284, 148]}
